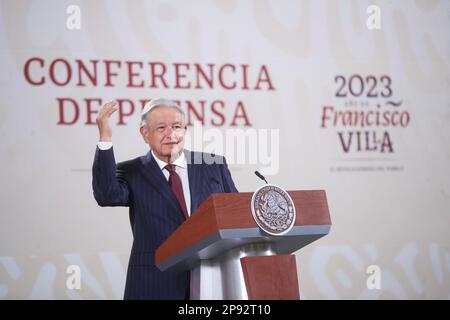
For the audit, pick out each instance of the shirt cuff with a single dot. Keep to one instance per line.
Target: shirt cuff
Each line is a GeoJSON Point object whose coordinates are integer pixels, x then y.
{"type": "Point", "coordinates": [104, 145]}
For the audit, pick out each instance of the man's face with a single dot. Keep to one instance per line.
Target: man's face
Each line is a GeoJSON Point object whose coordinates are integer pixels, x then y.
{"type": "Point", "coordinates": [165, 132]}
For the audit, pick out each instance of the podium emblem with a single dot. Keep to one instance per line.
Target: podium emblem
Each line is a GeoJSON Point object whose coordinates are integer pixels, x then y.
{"type": "Point", "coordinates": [273, 210]}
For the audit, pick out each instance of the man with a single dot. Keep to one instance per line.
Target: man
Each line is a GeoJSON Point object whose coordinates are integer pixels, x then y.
{"type": "Point", "coordinates": [161, 189]}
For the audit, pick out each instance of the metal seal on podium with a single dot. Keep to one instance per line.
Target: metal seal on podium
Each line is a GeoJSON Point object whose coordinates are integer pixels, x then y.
{"type": "Point", "coordinates": [273, 210]}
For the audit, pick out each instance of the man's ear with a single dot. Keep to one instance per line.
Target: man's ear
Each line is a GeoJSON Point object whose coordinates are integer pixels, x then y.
{"type": "Point", "coordinates": [144, 132]}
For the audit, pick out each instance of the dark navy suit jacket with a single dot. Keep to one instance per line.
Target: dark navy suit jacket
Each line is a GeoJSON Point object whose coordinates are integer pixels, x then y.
{"type": "Point", "coordinates": [154, 213]}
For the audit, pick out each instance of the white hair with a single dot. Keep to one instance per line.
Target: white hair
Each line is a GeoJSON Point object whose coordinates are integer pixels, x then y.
{"type": "Point", "coordinates": [156, 103]}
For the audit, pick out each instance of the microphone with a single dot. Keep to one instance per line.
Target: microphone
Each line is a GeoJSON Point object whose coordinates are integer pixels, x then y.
{"type": "Point", "coordinates": [261, 176]}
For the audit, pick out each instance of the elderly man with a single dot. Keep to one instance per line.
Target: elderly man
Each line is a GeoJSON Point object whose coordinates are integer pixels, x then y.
{"type": "Point", "coordinates": [161, 189]}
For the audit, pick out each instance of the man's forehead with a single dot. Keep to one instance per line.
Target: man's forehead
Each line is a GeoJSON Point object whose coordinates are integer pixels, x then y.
{"type": "Point", "coordinates": [163, 113]}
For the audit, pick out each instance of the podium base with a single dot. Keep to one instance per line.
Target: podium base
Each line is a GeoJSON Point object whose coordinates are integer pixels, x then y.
{"type": "Point", "coordinates": [229, 276]}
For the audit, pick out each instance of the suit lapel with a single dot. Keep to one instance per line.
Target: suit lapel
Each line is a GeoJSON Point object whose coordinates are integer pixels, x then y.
{"type": "Point", "coordinates": [195, 177]}
{"type": "Point", "coordinates": [155, 176]}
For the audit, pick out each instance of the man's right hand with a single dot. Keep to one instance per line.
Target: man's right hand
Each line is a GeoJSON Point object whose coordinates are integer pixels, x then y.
{"type": "Point", "coordinates": [104, 128]}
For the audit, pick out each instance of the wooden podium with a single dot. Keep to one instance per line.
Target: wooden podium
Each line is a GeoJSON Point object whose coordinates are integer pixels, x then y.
{"type": "Point", "coordinates": [230, 257]}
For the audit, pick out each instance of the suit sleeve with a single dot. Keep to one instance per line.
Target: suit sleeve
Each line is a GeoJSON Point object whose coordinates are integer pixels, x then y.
{"type": "Point", "coordinates": [108, 182]}
{"type": "Point", "coordinates": [228, 183]}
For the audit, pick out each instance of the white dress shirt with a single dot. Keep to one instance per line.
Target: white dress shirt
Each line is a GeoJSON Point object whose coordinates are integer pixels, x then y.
{"type": "Point", "coordinates": [180, 168]}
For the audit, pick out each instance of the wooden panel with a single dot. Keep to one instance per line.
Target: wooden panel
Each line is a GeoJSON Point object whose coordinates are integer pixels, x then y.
{"type": "Point", "coordinates": [271, 277]}
{"type": "Point", "coordinates": [311, 207]}
{"type": "Point", "coordinates": [234, 211]}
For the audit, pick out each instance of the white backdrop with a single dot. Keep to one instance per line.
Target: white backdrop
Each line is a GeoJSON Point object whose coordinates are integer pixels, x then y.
{"type": "Point", "coordinates": [302, 72]}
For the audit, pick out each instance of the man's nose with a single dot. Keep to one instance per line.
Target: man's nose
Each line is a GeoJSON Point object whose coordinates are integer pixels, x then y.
{"type": "Point", "coordinates": [171, 133]}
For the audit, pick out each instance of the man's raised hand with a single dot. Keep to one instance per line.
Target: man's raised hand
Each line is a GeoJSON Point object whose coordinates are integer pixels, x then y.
{"type": "Point", "coordinates": [102, 120]}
